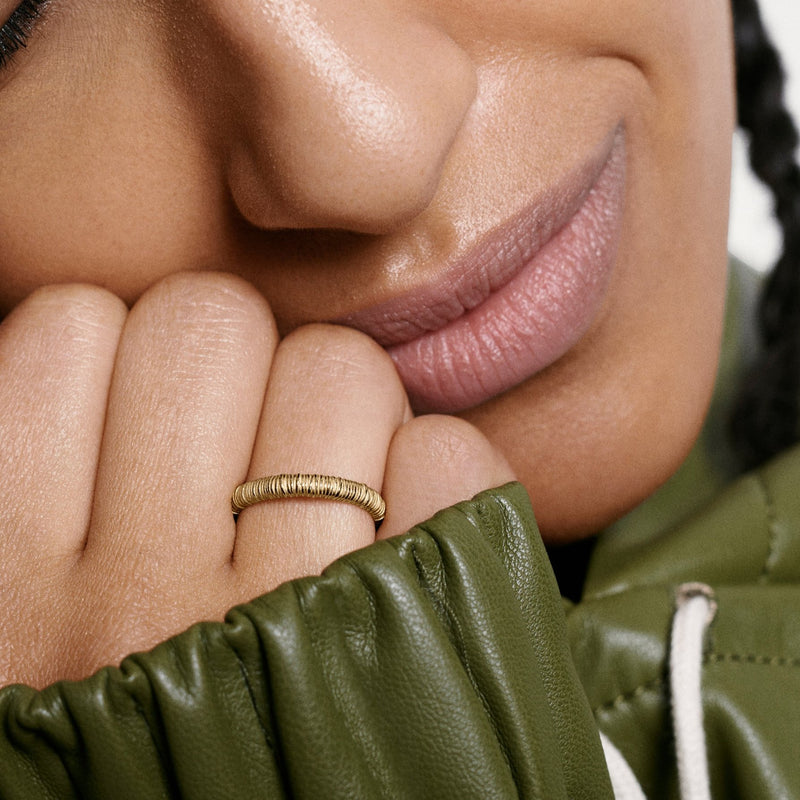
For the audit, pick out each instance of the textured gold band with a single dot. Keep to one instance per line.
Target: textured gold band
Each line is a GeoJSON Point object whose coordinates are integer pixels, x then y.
{"type": "Point", "coordinates": [278, 487]}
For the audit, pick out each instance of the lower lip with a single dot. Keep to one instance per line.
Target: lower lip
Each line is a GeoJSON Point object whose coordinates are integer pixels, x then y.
{"type": "Point", "coordinates": [531, 321]}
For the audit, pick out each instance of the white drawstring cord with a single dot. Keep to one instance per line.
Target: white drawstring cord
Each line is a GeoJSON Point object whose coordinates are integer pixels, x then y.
{"type": "Point", "coordinates": [694, 613]}
{"type": "Point", "coordinates": [623, 781]}
{"type": "Point", "coordinates": [695, 610]}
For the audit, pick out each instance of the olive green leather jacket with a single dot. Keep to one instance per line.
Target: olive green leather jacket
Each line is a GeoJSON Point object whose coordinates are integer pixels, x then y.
{"type": "Point", "coordinates": [444, 664]}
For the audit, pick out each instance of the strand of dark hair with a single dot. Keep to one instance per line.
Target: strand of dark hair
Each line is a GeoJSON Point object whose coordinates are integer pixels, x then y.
{"type": "Point", "coordinates": [765, 417]}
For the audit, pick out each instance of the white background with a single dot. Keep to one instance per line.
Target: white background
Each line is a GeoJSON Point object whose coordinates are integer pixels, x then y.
{"type": "Point", "coordinates": [753, 235]}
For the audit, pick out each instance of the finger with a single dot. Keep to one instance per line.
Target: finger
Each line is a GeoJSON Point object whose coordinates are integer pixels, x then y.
{"type": "Point", "coordinates": [57, 354]}
{"type": "Point", "coordinates": [183, 410]}
{"type": "Point", "coordinates": [333, 403]}
{"type": "Point", "coordinates": [434, 462]}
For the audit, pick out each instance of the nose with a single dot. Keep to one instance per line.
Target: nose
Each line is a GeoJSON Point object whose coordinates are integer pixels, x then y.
{"type": "Point", "coordinates": [340, 113]}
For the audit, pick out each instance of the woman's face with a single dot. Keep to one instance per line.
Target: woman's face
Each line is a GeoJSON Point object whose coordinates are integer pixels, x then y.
{"type": "Point", "coordinates": [525, 201]}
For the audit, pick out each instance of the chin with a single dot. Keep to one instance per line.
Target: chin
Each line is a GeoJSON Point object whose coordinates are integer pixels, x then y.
{"type": "Point", "coordinates": [588, 452]}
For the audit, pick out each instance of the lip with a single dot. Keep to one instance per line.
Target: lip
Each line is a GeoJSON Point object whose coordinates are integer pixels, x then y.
{"type": "Point", "coordinates": [517, 301]}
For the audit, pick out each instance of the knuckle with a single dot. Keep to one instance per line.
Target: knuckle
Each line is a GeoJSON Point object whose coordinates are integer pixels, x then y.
{"type": "Point", "coordinates": [447, 439]}
{"type": "Point", "coordinates": [213, 305]}
{"type": "Point", "coordinates": [66, 319]}
{"type": "Point", "coordinates": [335, 352]}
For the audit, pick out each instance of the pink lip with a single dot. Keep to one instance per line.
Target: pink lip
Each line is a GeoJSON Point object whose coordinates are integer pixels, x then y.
{"type": "Point", "coordinates": [516, 302]}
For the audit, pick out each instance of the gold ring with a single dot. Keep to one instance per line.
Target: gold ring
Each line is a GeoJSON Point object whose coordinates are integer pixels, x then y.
{"type": "Point", "coordinates": [278, 487]}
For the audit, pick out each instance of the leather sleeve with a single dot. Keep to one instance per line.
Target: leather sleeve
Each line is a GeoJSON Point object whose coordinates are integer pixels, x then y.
{"type": "Point", "coordinates": [431, 665]}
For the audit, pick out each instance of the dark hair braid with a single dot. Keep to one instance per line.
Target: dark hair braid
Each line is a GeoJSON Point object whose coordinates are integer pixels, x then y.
{"type": "Point", "coordinates": [765, 419]}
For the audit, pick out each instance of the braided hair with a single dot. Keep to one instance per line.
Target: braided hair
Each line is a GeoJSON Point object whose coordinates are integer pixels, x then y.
{"type": "Point", "coordinates": [765, 417]}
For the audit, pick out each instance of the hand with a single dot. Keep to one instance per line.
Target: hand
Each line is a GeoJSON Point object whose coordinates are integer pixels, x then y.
{"type": "Point", "coordinates": [124, 435]}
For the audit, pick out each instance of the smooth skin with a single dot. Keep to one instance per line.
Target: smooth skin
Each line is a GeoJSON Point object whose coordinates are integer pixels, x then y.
{"type": "Point", "coordinates": [206, 181]}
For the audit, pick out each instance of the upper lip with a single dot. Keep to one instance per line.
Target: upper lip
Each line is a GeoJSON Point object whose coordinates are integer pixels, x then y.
{"type": "Point", "coordinates": [468, 280]}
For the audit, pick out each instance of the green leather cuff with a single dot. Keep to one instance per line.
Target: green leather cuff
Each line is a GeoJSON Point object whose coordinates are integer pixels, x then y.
{"type": "Point", "coordinates": [431, 665]}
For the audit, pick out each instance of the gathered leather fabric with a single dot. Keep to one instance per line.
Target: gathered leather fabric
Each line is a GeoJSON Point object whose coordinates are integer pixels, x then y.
{"type": "Point", "coordinates": [438, 664]}
{"type": "Point", "coordinates": [431, 665]}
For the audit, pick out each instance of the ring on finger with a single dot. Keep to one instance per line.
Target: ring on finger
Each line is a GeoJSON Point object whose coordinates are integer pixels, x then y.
{"type": "Point", "coordinates": [329, 487]}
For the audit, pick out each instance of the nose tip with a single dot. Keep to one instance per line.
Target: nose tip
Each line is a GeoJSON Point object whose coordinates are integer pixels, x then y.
{"type": "Point", "coordinates": [350, 135]}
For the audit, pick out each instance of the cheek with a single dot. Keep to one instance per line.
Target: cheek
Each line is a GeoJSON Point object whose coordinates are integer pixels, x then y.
{"type": "Point", "coordinates": [104, 177]}
{"type": "Point", "coordinates": [103, 208]}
